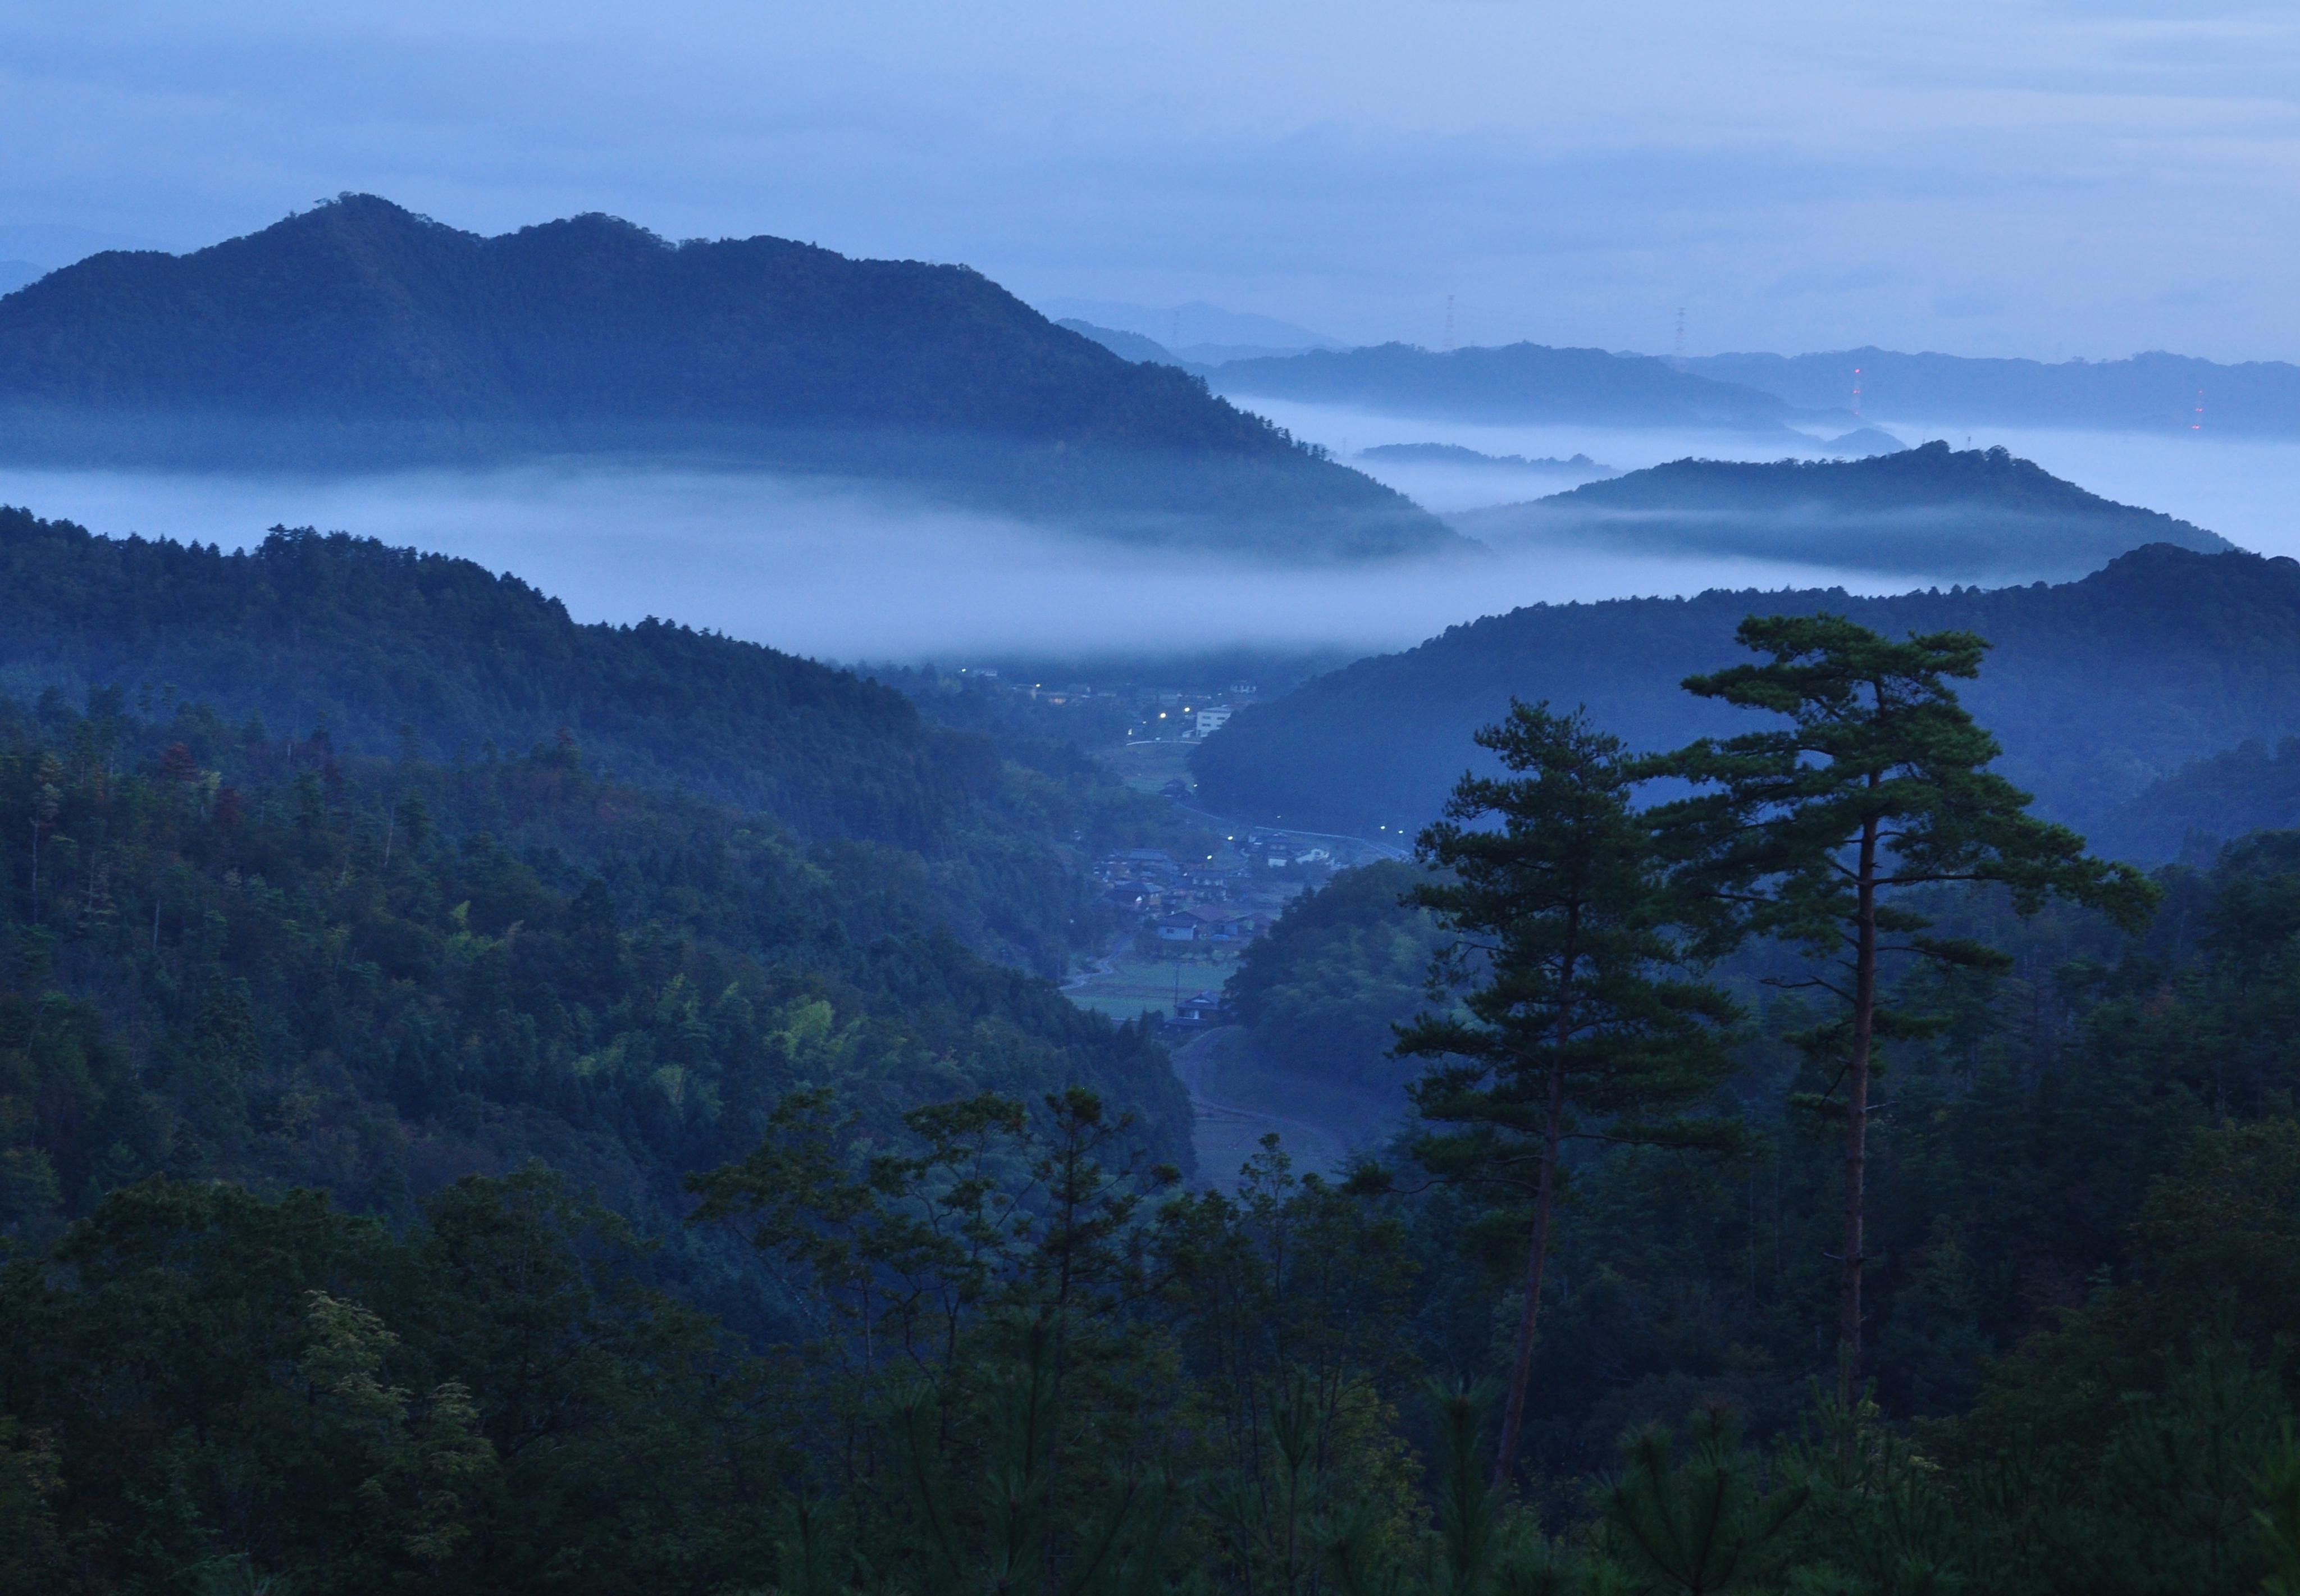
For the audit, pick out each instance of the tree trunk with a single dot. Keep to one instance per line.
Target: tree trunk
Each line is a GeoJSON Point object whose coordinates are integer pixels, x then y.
{"type": "Point", "coordinates": [1856, 1120]}
{"type": "Point", "coordinates": [1537, 1261]}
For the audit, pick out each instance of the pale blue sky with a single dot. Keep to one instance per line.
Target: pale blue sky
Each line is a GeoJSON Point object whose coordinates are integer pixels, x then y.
{"type": "Point", "coordinates": [2015, 178]}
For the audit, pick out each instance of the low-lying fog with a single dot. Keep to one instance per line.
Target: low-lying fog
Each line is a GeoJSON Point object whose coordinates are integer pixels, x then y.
{"type": "Point", "coordinates": [843, 572]}
{"type": "Point", "coordinates": [2247, 491]}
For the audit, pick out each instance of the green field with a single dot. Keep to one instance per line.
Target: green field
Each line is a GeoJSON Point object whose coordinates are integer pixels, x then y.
{"type": "Point", "coordinates": [1131, 985]}
{"type": "Point", "coordinates": [1149, 766]}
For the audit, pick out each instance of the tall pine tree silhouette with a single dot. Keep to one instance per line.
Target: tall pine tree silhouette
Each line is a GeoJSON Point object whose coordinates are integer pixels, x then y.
{"type": "Point", "coordinates": [1808, 834]}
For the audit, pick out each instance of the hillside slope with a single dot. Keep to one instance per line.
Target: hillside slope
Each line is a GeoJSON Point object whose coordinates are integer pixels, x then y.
{"type": "Point", "coordinates": [1964, 514]}
{"type": "Point", "coordinates": [2096, 688]}
{"type": "Point", "coordinates": [239, 957]}
{"type": "Point", "coordinates": [398, 652]}
{"type": "Point", "coordinates": [358, 334]}
{"type": "Point", "coordinates": [1518, 382]}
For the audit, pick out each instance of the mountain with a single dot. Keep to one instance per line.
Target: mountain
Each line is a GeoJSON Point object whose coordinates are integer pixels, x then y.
{"type": "Point", "coordinates": [357, 334]}
{"type": "Point", "coordinates": [1454, 454]}
{"type": "Point", "coordinates": [1964, 514]}
{"type": "Point", "coordinates": [1126, 346]}
{"type": "Point", "coordinates": [2096, 688]}
{"type": "Point", "coordinates": [1521, 382]}
{"type": "Point", "coordinates": [2154, 392]}
{"type": "Point", "coordinates": [1185, 329]}
{"type": "Point", "coordinates": [342, 866]}
{"type": "Point", "coordinates": [392, 651]}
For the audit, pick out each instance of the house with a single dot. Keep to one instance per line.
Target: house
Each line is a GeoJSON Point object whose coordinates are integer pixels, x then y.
{"type": "Point", "coordinates": [1205, 1008]}
{"type": "Point", "coordinates": [1179, 928]}
{"type": "Point", "coordinates": [1218, 923]}
{"type": "Point", "coordinates": [1134, 895]}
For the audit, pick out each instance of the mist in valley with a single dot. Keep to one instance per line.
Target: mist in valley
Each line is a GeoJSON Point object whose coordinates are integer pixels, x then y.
{"type": "Point", "coordinates": [852, 572]}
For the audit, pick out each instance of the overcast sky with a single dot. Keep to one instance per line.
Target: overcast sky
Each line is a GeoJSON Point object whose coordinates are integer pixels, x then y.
{"type": "Point", "coordinates": [2045, 179]}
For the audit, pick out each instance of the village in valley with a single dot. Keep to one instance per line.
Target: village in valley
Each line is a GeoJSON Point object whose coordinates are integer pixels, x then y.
{"type": "Point", "coordinates": [1184, 913]}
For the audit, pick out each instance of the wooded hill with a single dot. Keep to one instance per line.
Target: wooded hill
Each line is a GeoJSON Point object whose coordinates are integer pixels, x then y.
{"type": "Point", "coordinates": [1962, 514]}
{"type": "Point", "coordinates": [404, 653]}
{"type": "Point", "coordinates": [357, 334]}
{"type": "Point", "coordinates": [2096, 688]}
{"type": "Point", "coordinates": [1518, 382]}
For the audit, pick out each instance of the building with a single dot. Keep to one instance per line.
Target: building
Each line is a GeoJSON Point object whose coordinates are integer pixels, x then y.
{"type": "Point", "coordinates": [1203, 1008]}
{"type": "Point", "coordinates": [1218, 923]}
{"type": "Point", "coordinates": [1213, 718]}
{"type": "Point", "coordinates": [1179, 928]}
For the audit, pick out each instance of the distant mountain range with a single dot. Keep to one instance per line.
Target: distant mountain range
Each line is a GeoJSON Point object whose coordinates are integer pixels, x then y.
{"type": "Point", "coordinates": [2151, 393]}
{"type": "Point", "coordinates": [1968, 515]}
{"type": "Point", "coordinates": [358, 334]}
{"type": "Point", "coordinates": [1454, 454]}
{"type": "Point", "coordinates": [2096, 688]}
{"type": "Point", "coordinates": [1522, 383]}
{"type": "Point", "coordinates": [1195, 331]}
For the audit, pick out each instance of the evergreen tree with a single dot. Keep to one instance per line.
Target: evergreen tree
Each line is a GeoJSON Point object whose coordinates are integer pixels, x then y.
{"type": "Point", "coordinates": [1806, 833]}
{"type": "Point", "coordinates": [1572, 1027]}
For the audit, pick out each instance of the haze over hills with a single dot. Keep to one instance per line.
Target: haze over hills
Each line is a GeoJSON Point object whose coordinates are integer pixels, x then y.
{"type": "Point", "coordinates": [1521, 382]}
{"type": "Point", "coordinates": [359, 335]}
{"type": "Point", "coordinates": [1966, 514]}
{"type": "Point", "coordinates": [2154, 392]}
{"type": "Point", "coordinates": [2096, 688]}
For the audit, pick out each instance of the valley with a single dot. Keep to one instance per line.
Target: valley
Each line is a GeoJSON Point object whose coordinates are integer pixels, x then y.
{"type": "Point", "coordinates": [720, 916]}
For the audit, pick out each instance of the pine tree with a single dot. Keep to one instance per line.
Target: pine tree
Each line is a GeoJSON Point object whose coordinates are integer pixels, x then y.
{"type": "Point", "coordinates": [1807, 833]}
{"type": "Point", "coordinates": [1573, 1026]}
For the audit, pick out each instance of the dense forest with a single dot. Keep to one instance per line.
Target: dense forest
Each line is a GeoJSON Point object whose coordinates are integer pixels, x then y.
{"type": "Point", "coordinates": [255, 958]}
{"type": "Point", "coordinates": [2246, 789]}
{"type": "Point", "coordinates": [2096, 688]}
{"type": "Point", "coordinates": [942, 1316]}
{"type": "Point", "coordinates": [359, 334]}
{"type": "Point", "coordinates": [393, 651]}
{"type": "Point", "coordinates": [1518, 382]}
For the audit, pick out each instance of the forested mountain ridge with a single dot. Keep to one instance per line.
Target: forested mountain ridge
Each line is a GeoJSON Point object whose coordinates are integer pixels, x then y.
{"type": "Point", "coordinates": [2152, 392]}
{"type": "Point", "coordinates": [1518, 383]}
{"type": "Point", "coordinates": [1929, 474]}
{"type": "Point", "coordinates": [394, 651]}
{"type": "Point", "coordinates": [359, 334]}
{"type": "Point", "coordinates": [2096, 688]}
{"type": "Point", "coordinates": [1962, 514]}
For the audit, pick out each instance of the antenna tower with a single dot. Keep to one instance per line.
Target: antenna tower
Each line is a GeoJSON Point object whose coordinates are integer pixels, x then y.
{"type": "Point", "coordinates": [1449, 321]}
{"type": "Point", "coordinates": [1677, 358]}
{"type": "Point", "coordinates": [2196, 424]}
{"type": "Point", "coordinates": [1856, 393]}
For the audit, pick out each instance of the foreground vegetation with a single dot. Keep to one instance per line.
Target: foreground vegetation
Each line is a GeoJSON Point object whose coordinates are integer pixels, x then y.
{"type": "Point", "coordinates": [490, 1176]}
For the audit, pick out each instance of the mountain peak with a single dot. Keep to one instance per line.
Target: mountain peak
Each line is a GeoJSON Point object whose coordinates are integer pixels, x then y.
{"type": "Point", "coordinates": [362, 333]}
